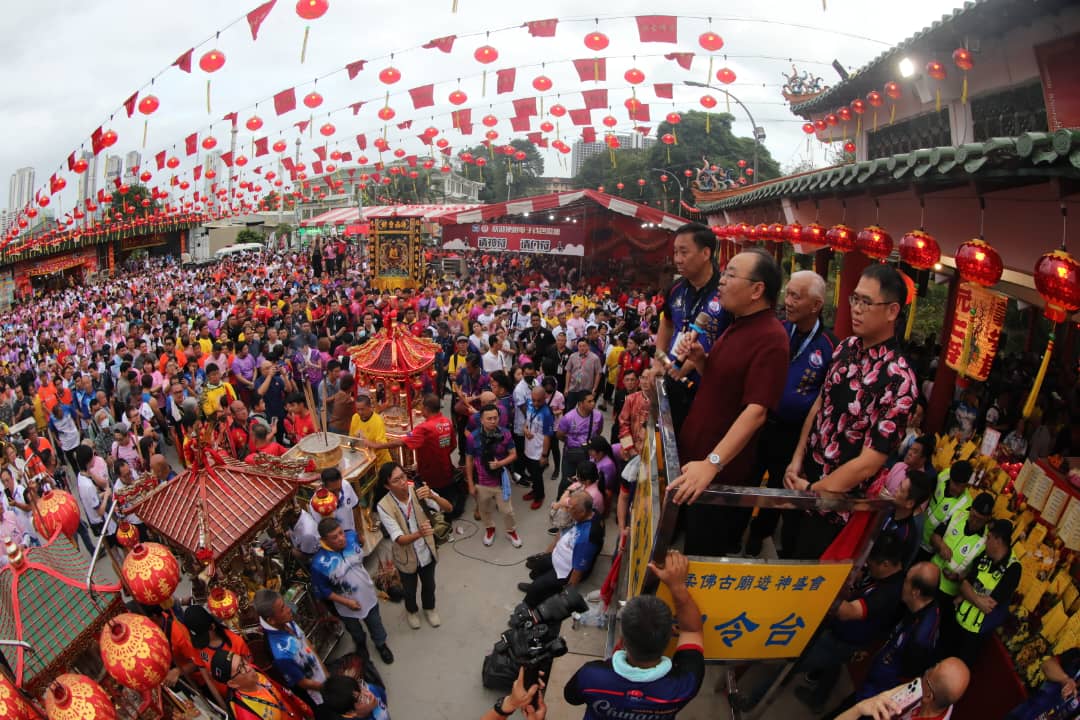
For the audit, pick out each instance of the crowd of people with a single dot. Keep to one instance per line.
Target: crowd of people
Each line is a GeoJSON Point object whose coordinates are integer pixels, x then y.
{"type": "Point", "coordinates": [544, 378]}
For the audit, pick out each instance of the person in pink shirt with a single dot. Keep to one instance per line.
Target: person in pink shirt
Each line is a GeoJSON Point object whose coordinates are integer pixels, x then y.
{"type": "Point", "coordinates": [917, 457]}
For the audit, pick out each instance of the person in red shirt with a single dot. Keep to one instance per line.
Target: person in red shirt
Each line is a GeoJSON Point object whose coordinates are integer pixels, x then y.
{"type": "Point", "coordinates": [208, 636]}
{"type": "Point", "coordinates": [262, 443]}
{"type": "Point", "coordinates": [433, 441]}
{"type": "Point", "coordinates": [298, 423]}
{"type": "Point", "coordinates": [239, 433]}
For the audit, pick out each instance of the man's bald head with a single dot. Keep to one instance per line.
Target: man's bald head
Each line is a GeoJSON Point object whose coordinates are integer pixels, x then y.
{"type": "Point", "coordinates": [488, 398]}
{"type": "Point", "coordinates": [948, 681]}
{"type": "Point", "coordinates": [920, 585]}
{"type": "Point", "coordinates": [159, 465]}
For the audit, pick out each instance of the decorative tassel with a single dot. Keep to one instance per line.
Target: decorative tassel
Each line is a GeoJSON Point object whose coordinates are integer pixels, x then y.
{"type": "Point", "coordinates": [483, 84]}
{"type": "Point", "coordinates": [1029, 406]}
{"type": "Point", "coordinates": [708, 78]}
{"type": "Point", "coordinates": [706, 122]}
{"type": "Point", "coordinates": [303, 47]}
{"type": "Point", "coordinates": [727, 102]}
{"type": "Point", "coordinates": [208, 96]}
{"type": "Point", "coordinates": [910, 317]}
{"type": "Point", "coordinates": [596, 70]}
{"type": "Point", "coordinates": [963, 91]}
{"type": "Point", "coordinates": [937, 100]}
{"type": "Point", "coordinates": [145, 127]}
{"type": "Point", "coordinates": [892, 113]}
{"type": "Point", "coordinates": [836, 285]}
{"type": "Point", "coordinates": [875, 120]}
{"type": "Point", "coordinates": [858, 125]}
{"type": "Point", "coordinates": [669, 154]}
{"type": "Point", "coordinates": [453, 6]}
{"type": "Point", "coordinates": [541, 106]}
{"type": "Point", "coordinates": [965, 349]}
{"type": "Point", "coordinates": [674, 135]}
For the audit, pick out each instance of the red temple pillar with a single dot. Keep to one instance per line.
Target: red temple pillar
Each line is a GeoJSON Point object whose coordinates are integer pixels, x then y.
{"type": "Point", "coordinates": [854, 263]}
{"type": "Point", "coordinates": [941, 396]}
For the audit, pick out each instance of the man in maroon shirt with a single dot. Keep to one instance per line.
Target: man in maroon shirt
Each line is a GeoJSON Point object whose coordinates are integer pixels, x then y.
{"type": "Point", "coordinates": [433, 441]}
{"type": "Point", "coordinates": [744, 377]}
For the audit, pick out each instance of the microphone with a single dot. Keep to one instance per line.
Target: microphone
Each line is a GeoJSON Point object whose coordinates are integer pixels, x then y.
{"type": "Point", "coordinates": [696, 330]}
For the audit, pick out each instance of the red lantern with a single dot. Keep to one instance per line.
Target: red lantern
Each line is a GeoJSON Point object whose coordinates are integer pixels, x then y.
{"type": "Point", "coordinates": [313, 99]}
{"type": "Point", "coordinates": [844, 114]}
{"type": "Point", "coordinates": [813, 237]}
{"type": "Point", "coordinates": [600, 188]}
{"type": "Point", "coordinates": [80, 166]}
{"type": "Point", "coordinates": [12, 704]}
{"type": "Point", "coordinates": [776, 232]}
{"type": "Point", "coordinates": [542, 83]}
{"type": "Point", "coordinates": [151, 573]}
{"type": "Point", "coordinates": [520, 155]}
{"type": "Point", "coordinates": [978, 262]}
{"type": "Point", "coordinates": [641, 182]}
{"type": "Point", "coordinates": [481, 162]}
{"type": "Point", "coordinates": [172, 163]}
{"type": "Point", "coordinates": [634, 76]}
{"type": "Point", "coordinates": [841, 238]}
{"type": "Point", "coordinates": [664, 178]}
{"type": "Point", "coordinates": [935, 70]}
{"type": "Point", "coordinates": [596, 41]}
{"type": "Point", "coordinates": [324, 502]}
{"type": "Point", "coordinates": [212, 61]}
{"type": "Point", "coordinates": [458, 98]}
{"type": "Point", "coordinates": [874, 98]}
{"type": "Point", "coordinates": [808, 128]}
{"type": "Point", "coordinates": [725, 75]}
{"type": "Point", "coordinates": [849, 147]}
{"type": "Point", "coordinates": [135, 652]}
{"type": "Point", "coordinates": [312, 9]}
{"type": "Point", "coordinates": [793, 233]}
{"type": "Point", "coordinates": [56, 511]}
{"type": "Point", "coordinates": [619, 186]}
{"type": "Point", "coordinates": [874, 242]}
{"type": "Point", "coordinates": [241, 161]}
{"type": "Point", "coordinates": [708, 102]}
{"type": "Point", "coordinates": [546, 126]}
{"type": "Point", "coordinates": [490, 121]}
{"type": "Point", "coordinates": [741, 163]}
{"type": "Point", "coordinates": [820, 125]}
{"type": "Point", "coordinates": [109, 138]}
{"type": "Point", "coordinates": [254, 123]}
{"type": "Point", "coordinates": [688, 172]}
{"type": "Point", "coordinates": [919, 250]}
{"type": "Point", "coordinates": [1057, 278]}
{"type": "Point", "coordinates": [557, 110]}
{"type": "Point", "coordinates": [858, 106]}
{"type": "Point", "coordinates": [610, 121]}
{"type": "Point", "coordinates": [76, 697]}
{"type": "Point", "coordinates": [963, 59]}
{"type": "Point", "coordinates": [444, 169]}
{"type": "Point", "coordinates": [327, 130]}
{"type": "Point", "coordinates": [749, 172]}
{"type": "Point", "coordinates": [149, 104]}
{"type": "Point", "coordinates": [127, 535]}
{"type": "Point", "coordinates": [832, 120]}
{"type": "Point", "coordinates": [486, 54]}
{"type": "Point", "coordinates": [222, 603]}
{"type": "Point", "coordinates": [892, 89]}
{"type": "Point", "coordinates": [674, 118]}
{"type": "Point", "coordinates": [389, 75]}
{"type": "Point", "coordinates": [710, 41]}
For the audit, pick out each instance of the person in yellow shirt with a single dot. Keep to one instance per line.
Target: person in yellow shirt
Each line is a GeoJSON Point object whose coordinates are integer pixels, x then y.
{"type": "Point", "coordinates": [369, 425]}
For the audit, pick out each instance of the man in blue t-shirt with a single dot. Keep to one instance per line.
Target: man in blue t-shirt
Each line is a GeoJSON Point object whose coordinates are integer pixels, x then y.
{"type": "Point", "coordinates": [639, 680]}
{"type": "Point", "coordinates": [571, 557]}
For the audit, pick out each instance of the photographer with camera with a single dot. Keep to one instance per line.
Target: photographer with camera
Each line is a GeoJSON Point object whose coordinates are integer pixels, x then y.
{"type": "Point", "coordinates": [490, 450]}
{"type": "Point", "coordinates": [570, 559]}
{"type": "Point", "coordinates": [639, 679]}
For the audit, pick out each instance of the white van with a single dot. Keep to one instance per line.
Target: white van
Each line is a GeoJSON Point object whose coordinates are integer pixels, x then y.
{"type": "Point", "coordinates": [238, 249]}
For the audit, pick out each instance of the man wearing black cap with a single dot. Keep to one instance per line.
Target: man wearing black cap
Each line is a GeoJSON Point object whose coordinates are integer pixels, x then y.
{"type": "Point", "coordinates": [958, 542]}
{"type": "Point", "coordinates": [251, 695]}
{"type": "Point", "coordinates": [208, 636]}
{"type": "Point", "coordinates": [983, 601]}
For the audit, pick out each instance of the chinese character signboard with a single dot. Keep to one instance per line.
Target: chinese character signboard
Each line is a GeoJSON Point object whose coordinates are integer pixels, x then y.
{"type": "Point", "coordinates": [537, 239]}
{"type": "Point", "coordinates": [758, 611]}
{"type": "Point", "coordinates": [977, 323]}
{"type": "Point", "coordinates": [398, 254]}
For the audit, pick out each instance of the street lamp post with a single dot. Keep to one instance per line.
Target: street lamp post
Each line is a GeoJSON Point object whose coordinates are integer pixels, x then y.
{"type": "Point", "coordinates": [674, 176]}
{"type": "Point", "coordinates": [758, 132]}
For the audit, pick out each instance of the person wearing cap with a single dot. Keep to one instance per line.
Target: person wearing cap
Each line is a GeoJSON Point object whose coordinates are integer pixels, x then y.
{"type": "Point", "coordinates": [959, 541]}
{"type": "Point", "coordinates": [251, 695]}
{"type": "Point", "coordinates": [209, 636]}
{"type": "Point", "coordinates": [950, 496]}
{"type": "Point", "coordinates": [983, 601]}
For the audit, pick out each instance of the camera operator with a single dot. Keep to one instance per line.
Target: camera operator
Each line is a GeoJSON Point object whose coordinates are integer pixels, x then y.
{"type": "Point", "coordinates": [520, 698]}
{"type": "Point", "coordinates": [490, 449]}
{"type": "Point", "coordinates": [640, 680]}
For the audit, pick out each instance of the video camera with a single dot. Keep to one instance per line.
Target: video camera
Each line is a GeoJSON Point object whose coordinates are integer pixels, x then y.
{"type": "Point", "coordinates": [532, 641]}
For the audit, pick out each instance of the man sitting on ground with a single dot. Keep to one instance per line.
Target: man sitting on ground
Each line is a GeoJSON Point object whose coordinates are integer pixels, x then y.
{"type": "Point", "coordinates": [571, 557]}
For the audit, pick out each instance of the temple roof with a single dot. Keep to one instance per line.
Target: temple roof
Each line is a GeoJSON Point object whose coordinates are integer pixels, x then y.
{"type": "Point", "coordinates": [394, 354]}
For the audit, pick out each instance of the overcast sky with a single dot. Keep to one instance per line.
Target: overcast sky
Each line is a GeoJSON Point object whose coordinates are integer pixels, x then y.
{"type": "Point", "coordinates": [69, 64]}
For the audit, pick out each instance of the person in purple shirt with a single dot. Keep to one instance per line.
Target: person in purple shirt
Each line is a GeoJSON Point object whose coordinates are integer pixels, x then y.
{"type": "Point", "coordinates": [603, 457]}
{"type": "Point", "coordinates": [575, 429]}
{"type": "Point", "coordinates": [243, 368]}
{"type": "Point", "coordinates": [489, 451]}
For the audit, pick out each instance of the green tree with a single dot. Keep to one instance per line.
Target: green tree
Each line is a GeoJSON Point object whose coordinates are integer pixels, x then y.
{"type": "Point", "coordinates": [503, 171]}
{"type": "Point", "coordinates": [249, 236]}
{"type": "Point", "coordinates": [132, 198]}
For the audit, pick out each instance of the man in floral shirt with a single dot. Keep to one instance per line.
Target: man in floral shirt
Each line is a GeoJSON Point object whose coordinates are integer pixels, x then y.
{"type": "Point", "coordinates": [860, 416]}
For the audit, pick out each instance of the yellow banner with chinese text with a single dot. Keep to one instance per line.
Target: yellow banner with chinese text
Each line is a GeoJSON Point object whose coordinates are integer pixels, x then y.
{"type": "Point", "coordinates": [642, 522]}
{"type": "Point", "coordinates": [759, 611]}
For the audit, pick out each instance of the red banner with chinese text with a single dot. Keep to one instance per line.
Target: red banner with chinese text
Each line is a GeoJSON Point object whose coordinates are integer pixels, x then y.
{"type": "Point", "coordinates": [976, 331]}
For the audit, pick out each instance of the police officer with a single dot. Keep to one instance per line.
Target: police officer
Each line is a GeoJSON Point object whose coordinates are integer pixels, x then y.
{"type": "Point", "coordinates": [693, 295]}
{"type": "Point", "coordinates": [958, 542]}
{"type": "Point", "coordinates": [984, 594]}
{"type": "Point", "coordinates": [950, 496]}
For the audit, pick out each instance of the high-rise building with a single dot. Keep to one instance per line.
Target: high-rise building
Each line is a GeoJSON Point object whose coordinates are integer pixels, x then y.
{"type": "Point", "coordinates": [88, 179]}
{"type": "Point", "coordinates": [21, 190]}
{"type": "Point", "coordinates": [114, 170]}
{"type": "Point", "coordinates": [132, 162]}
{"type": "Point", "coordinates": [582, 150]}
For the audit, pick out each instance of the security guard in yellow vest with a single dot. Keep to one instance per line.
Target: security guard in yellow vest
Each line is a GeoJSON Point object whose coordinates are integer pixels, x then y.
{"type": "Point", "coordinates": [949, 496]}
{"type": "Point", "coordinates": [959, 541]}
{"type": "Point", "coordinates": [983, 602]}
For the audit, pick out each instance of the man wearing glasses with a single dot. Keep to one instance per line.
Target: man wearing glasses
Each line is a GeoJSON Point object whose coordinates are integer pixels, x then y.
{"type": "Point", "coordinates": [252, 695]}
{"type": "Point", "coordinates": [860, 416]}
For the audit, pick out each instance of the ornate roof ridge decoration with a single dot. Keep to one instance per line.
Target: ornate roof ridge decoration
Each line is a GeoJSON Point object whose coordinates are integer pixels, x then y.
{"type": "Point", "coordinates": [976, 17]}
{"type": "Point", "coordinates": [394, 353]}
{"type": "Point", "coordinates": [1036, 152]}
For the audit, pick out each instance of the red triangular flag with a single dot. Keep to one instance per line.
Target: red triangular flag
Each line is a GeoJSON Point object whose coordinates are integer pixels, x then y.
{"type": "Point", "coordinates": [346, 157]}
{"type": "Point", "coordinates": [535, 137]}
{"type": "Point", "coordinates": [594, 98]}
{"type": "Point", "coordinates": [227, 159]}
{"type": "Point", "coordinates": [191, 143]}
{"type": "Point", "coordinates": [285, 101]}
{"type": "Point", "coordinates": [423, 96]}
{"type": "Point", "coordinates": [101, 195]}
{"type": "Point", "coordinates": [231, 117]}
{"type": "Point", "coordinates": [129, 104]}
{"type": "Point", "coordinates": [581, 117]}
{"type": "Point", "coordinates": [354, 68]}
{"type": "Point", "coordinates": [95, 141]}
{"type": "Point", "coordinates": [640, 113]}
{"type": "Point", "coordinates": [525, 107]}
{"type": "Point", "coordinates": [505, 82]}
{"type": "Point", "coordinates": [255, 17]}
{"type": "Point", "coordinates": [329, 182]}
{"type": "Point", "coordinates": [262, 147]}
{"type": "Point", "coordinates": [657, 28]}
{"type": "Point", "coordinates": [520, 123]}
{"type": "Point", "coordinates": [70, 163]}
{"type": "Point", "coordinates": [361, 141]}
{"type": "Point", "coordinates": [663, 90]}
{"type": "Point", "coordinates": [446, 44]}
{"type": "Point", "coordinates": [591, 69]}
{"type": "Point", "coordinates": [407, 125]}
{"type": "Point", "coordinates": [425, 138]}
{"type": "Point", "coordinates": [683, 59]}
{"type": "Point", "coordinates": [54, 185]}
{"type": "Point", "coordinates": [160, 160]}
{"type": "Point", "coordinates": [197, 173]}
{"type": "Point", "coordinates": [302, 125]}
{"type": "Point", "coordinates": [542, 28]}
{"type": "Point", "coordinates": [588, 135]}
{"type": "Point", "coordinates": [320, 152]}
{"type": "Point", "coordinates": [116, 182]}
{"type": "Point", "coordinates": [410, 161]}
{"type": "Point", "coordinates": [184, 61]}
{"type": "Point", "coordinates": [287, 163]}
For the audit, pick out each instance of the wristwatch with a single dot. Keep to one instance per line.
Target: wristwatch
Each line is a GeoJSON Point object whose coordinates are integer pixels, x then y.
{"type": "Point", "coordinates": [499, 708]}
{"type": "Point", "coordinates": [716, 461]}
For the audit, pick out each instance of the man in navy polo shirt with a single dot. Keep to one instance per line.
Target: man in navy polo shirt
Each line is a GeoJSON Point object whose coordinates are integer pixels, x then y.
{"type": "Point", "coordinates": [639, 681]}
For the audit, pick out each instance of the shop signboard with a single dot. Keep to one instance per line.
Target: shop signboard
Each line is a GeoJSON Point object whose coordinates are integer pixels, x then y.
{"type": "Point", "coordinates": [565, 239]}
